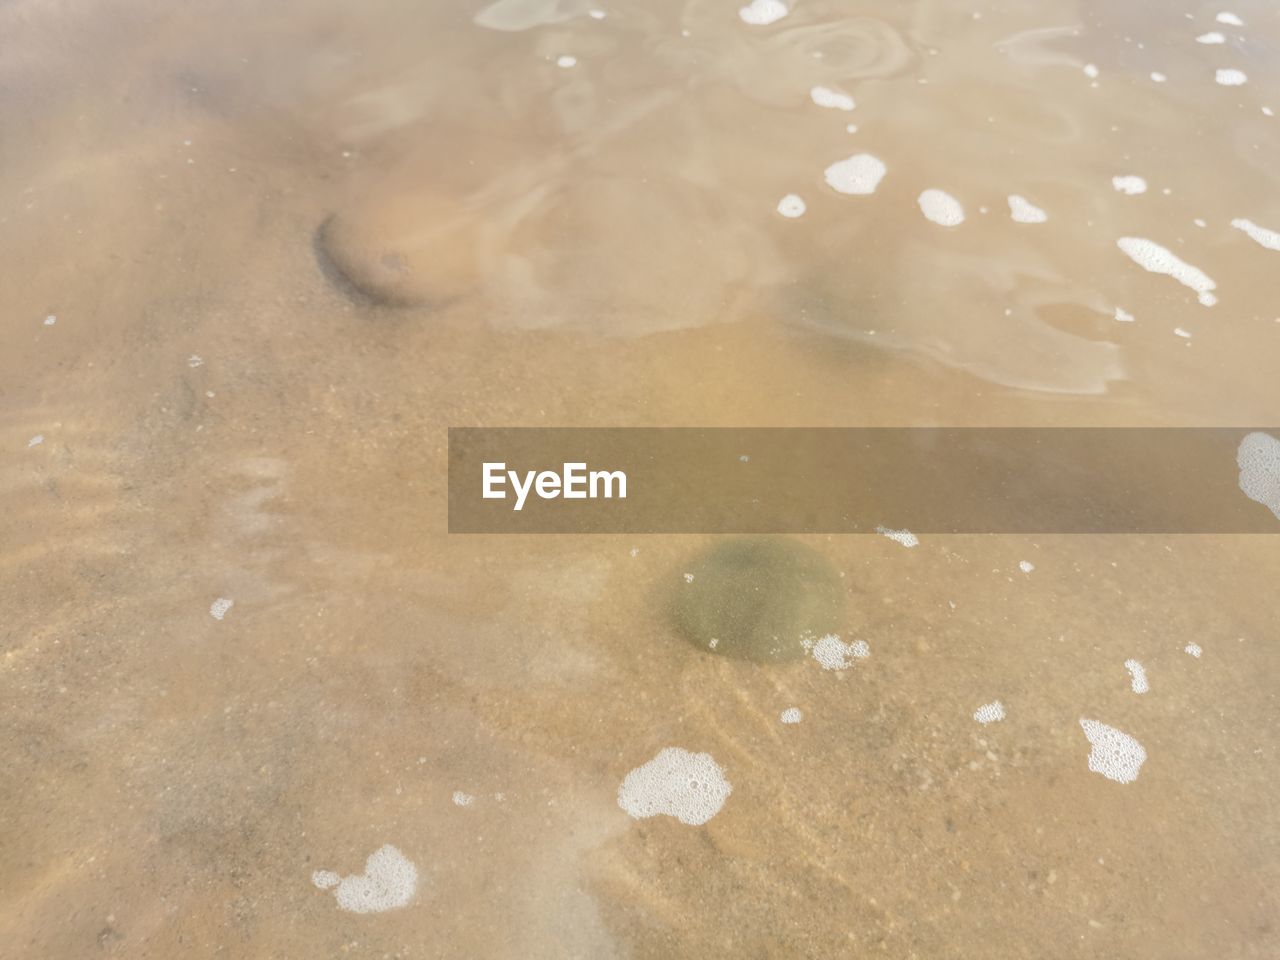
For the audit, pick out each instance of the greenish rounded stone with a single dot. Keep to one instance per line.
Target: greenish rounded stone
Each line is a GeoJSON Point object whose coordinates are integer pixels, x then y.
{"type": "Point", "coordinates": [758, 598]}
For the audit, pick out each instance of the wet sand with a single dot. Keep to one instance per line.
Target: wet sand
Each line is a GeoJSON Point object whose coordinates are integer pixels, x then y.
{"type": "Point", "coordinates": [229, 408]}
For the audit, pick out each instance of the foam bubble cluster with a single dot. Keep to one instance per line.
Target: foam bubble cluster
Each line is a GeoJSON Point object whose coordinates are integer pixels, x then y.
{"type": "Point", "coordinates": [832, 99]}
{"type": "Point", "coordinates": [463, 799]}
{"type": "Point", "coordinates": [1023, 210]}
{"type": "Point", "coordinates": [1213, 36]}
{"type": "Point", "coordinates": [860, 174]}
{"type": "Point", "coordinates": [761, 13]}
{"type": "Point", "coordinates": [218, 609]}
{"type": "Point", "coordinates": [1268, 238]}
{"type": "Point", "coordinates": [1026, 566]}
{"type": "Point", "coordinates": [941, 208]}
{"type": "Point", "coordinates": [1194, 649]}
{"type": "Point", "coordinates": [1156, 259]}
{"type": "Point", "coordinates": [791, 715]}
{"type": "Point", "coordinates": [389, 881]}
{"type": "Point", "coordinates": [904, 537]}
{"type": "Point", "coordinates": [1137, 676]}
{"type": "Point", "coordinates": [676, 783]}
{"type": "Point", "coordinates": [1231, 77]}
{"type": "Point", "coordinates": [834, 654]}
{"type": "Point", "coordinates": [989, 712]}
{"type": "Point", "coordinates": [1129, 184]}
{"type": "Point", "coordinates": [1123, 315]}
{"type": "Point", "coordinates": [1229, 18]}
{"type": "Point", "coordinates": [1115, 754]}
{"type": "Point", "coordinates": [1258, 458]}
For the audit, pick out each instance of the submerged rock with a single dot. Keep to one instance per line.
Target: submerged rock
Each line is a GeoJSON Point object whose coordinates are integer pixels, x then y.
{"type": "Point", "coordinates": [758, 598]}
{"type": "Point", "coordinates": [400, 252]}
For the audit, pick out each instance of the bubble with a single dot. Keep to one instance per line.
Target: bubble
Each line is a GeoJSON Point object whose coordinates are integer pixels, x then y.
{"type": "Point", "coordinates": [791, 715]}
{"type": "Point", "coordinates": [1130, 184]}
{"type": "Point", "coordinates": [388, 882]}
{"type": "Point", "coordinates": [989, 712]}
{"type": "Point", "coordinates": [834, 654]}
{"type": "Point", "coordinates": [463, 799]}
{"type": "Point", "coordinates": [904, 537]}
{"type": "Point", "coordinates": [566, 61]}
{"type": "Point", "coordinates": [940, 207]}
{"type": "Point", "coordinates": [1230, 77]}
{"type": "Point", "coordinates": [1124, 316]}
{"type": "Point", "coordinates": [832, 99]}
{"type": "Point", "coordinates": [761, 13]}
{"type": "Point", "coordinates": [1230, 19]}
{"type": "Point", "coordinates": [1137, 676]}
{"type": "Point", "coordinates": [858, 175]}
{"type": "Point", "coordinates": [676, 783]}
{"type": "Point", "coordinates": [1194, 649]}
{"type": "Point", "coordinates": [1026, 566]}
{"type": "Point", "coordinates": [1267, 238]}
{"type": "Point", "coordinates": [1115, 754]}
{"type": "Point", "coordinates": [1156, 259]}
{"type": "Point", "coordinates": [218, 609]}
{"type": "Point", "coordinates": [791, 206]}
{"type": "Point", "coordinates": [35, 441]}
{"type": "Point", "coordinates": [1258, 458]}
{"type": "Point", "coordinates": [1023, 211]}
{"type": "Point", "coordinates": [1212, 36]}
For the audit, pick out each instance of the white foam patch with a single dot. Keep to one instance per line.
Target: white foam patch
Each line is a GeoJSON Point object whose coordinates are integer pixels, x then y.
{"type": "Point", "coordinates": [566, 61]}
{"type": "Point", "coordinates": [676, 783]}
{"type": "Point", "coordinates": [1024, 211]}
{"type": "Point", "coordinates": [1026, 566]}
{"type": "Point", "coordinates": [50, 320]}
{"type": "Point", "coordinates": [859, 175]}
{"type": "Point", "coordinates": [1184, 334]}
{"type": "Point", "coordinates": [1158, 77]}
{"type": "Point", "coordinates": [1267, 238]}
{"type": "Point", "coordinates": [1258, 458]}
{"type": "Point", "coordinates": [1156, 259]}
{"type": "Point", "coordinates": [1229, 18]}
{"type": "Point", "coordinates": [1124, 316]}
{"type": "Point", "coordinates": [940, 207]}
{"type": "Point", "coordinates": [831, 99]}
{"type": "Point", "coordinates": [761, 13]}
{"type": "Point", "coordinates": [218, 609]}
{"type": "Point", "coordinates": [834, 654]}
{"type": "Point", "coordinates": [1194, 649]}
{"type": "Point", "coordinates": [989, 712]}
{"type": "Point", "coordinates": [1213, 36]}
{"type": "Point", "coordinates": [325, 879]}
{"type": "Point", "coordinates": [389, 881]}
{"type": "Point", "coordinates": [1231, 77]}
{"type": "Point", "coordinates": [1091, 71]}
{"type": "Point", "coordinates": [791, 206]}
{"type": "Point", "coordinates": [195, 360]}
{"type": "Point", "coordinates": [904, 537]}
{"type": "Point", "coordinates": [1115, 754]}
{"type": "Point", "coordinates": [791, 715]}
{"type": "Point", "coordinates": [1137, 676]}
{"type": "Point", "coordinates": [35, 441]}
{"type": "Point", "coordinates": [463, 799]}
{"type": "Point", "coordinates": [1129, 184]}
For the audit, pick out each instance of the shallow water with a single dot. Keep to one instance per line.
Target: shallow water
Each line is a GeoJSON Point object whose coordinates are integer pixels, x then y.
{"type": "Point", "coordinates": [285, 246]}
